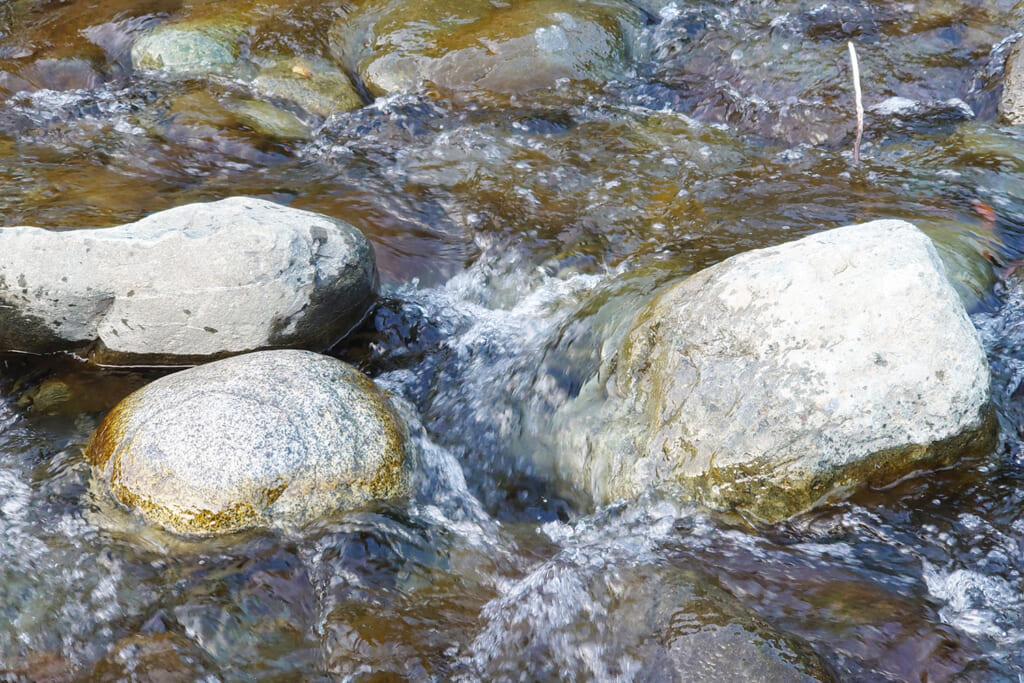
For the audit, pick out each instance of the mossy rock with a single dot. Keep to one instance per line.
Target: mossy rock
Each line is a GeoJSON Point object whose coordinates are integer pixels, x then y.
{"type": "Point", "coordinates": [476, 45]}
{"type": "Point", "coordinates": [190, 47]}
{"type": "Point", "coordinates": [311, 84]}
{"type": "Point", "coordinates": [264, 439]}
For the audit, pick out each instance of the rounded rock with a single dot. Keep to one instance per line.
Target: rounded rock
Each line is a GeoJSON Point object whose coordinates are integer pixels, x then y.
{"type": "Point", "coordinates": [312, 84]}
{"type": "Point", "coordinates": [475, 45]}
{"type": "Point", "coordinates": [188, 47]}
{"type": "Point", "coordinates": [263, 439]}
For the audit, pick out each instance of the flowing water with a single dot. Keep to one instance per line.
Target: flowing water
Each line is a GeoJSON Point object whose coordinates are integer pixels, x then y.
{"type": "Point", "coordinates": [514, 235]}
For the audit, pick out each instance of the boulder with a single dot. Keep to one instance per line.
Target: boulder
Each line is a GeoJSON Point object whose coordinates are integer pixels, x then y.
{"type": "Point", "coordinates": [775, 377]}
{"type": "Point", "coordinates": [189, 47]}
{"type": "Point", "coordinates": [1011, 104]}
{"type": "Point", "coordinates": [264, 439]}
{"type": "Point", "coordinates": [470, 45]}
{"type": "Point", "coordinates": [192, 282]}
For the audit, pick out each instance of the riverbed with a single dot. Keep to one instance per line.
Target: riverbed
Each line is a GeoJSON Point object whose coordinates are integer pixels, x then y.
{"type": "Point", "coordinates": [513, 233]}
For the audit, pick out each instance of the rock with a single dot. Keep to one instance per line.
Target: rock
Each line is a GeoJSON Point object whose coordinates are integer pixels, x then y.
{"type": "Point", "coordinates": [189, 47]}
{"type": "Point", "coordinates": [152, 657]}
{"type": "Point", "coordinates": [192, 282]}
{"type": "Point", "coordinates": [1011, 104]}
{"type": "Point", "coordinates": [777, 376]}
{"type": "Point", "coordinates": [62, 74]}
{"type": "Point", "coordinates": [267, 119]}
{"type": "Point", "coordinates": [470, 45]}
{"type": "Point", "coordinates": [312, 84]}
{"type": "Point", "coordinates": [264, 439]}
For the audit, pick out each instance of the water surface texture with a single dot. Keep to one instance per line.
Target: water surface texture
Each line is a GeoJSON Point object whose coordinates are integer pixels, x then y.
{"type": "Point", "coordinates": [514, 233]}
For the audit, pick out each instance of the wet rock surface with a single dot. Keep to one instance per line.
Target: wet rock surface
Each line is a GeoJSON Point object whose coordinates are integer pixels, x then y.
{"type": "Point", "coordinates": [271, 438]}
{"type": "Point", "coordinates": [189, 47]}
{"type": "Point", "coordinates": [315, 85]}
{"type": "Point", "coordinates": [1011, 105]}
{"type": "Point", "coordinates": [401, 46]}
{"type": "Point", "coordinates": [768, 380]}
{"type": "Point", "coordinates": [196, 281]}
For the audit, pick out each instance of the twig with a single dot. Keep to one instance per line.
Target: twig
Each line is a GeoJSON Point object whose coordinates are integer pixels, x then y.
{"type": "Point", "coordinates": [860, 102]}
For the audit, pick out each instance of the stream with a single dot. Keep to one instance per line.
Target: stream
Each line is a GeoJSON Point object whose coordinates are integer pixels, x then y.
{"type": "Point", "coordinates": [513, 234]}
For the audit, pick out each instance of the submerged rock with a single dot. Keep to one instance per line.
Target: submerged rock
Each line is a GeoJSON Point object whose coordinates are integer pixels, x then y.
{"type": "Point", "coordinates": [1011, 105]}
{"type": "Point", "coordinates": [769, 380]}
{"type": "Point", "coordinates": [268, 119]}
{"type": "Point", "coordinates": [189, 47]}
{"type": "Point", "coordinates": [152, 657]}
{"type": "Point", "coordinates": [469, 45]}
{"type": "Point", "coordinates": [192, 282]}
{"type": "Point", "coordinates": [276, 437]}
{"type": "Point", "coordinates": [312, 84]}
{"type": "Point", "coordinates": [654, 623]}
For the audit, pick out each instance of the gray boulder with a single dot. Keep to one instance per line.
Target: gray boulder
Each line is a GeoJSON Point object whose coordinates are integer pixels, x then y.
{"type": "Point", "coordinates": [477, 45]}
{"type": "Point", "coordinates": [269, 438]}
{"type": "Point", "coordinates": [1011, 105]}
{"type": "Point", "coordinates": [192, 282]}
{"type": "Point", "coordinates": [779, 375]}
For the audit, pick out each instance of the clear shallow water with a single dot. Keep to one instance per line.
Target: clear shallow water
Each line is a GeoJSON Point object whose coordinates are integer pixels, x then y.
{"type": "Point", "coordinates": [513, 238]}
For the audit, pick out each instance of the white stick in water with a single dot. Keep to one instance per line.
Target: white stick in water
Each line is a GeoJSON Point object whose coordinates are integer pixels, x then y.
{"type": "Point", "coordinates": [860, 102]}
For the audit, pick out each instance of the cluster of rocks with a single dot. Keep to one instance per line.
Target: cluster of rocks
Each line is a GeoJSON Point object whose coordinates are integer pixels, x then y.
{"type": "Point", "coordinates": [762, 384]}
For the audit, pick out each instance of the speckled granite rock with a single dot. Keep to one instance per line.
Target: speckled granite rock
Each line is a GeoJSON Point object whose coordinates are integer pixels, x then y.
{"type": "Point", "coordinates": [185, 284]}
{"type": "Point", "coordinates": [269, 438]}
{"type": "Point", "coordinates": [774, 377]}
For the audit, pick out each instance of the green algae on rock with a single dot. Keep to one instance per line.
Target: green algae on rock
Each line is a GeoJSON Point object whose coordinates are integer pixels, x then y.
{"type": "Point", "coordinates": [189, 47]}
{"type": "Point", "coordinates": [263, 439]}
{"type": "Point", "coordinates": [471, 45]}
{"type": "Point", "coordinates": [312, 84]}
{"type": "Point", "coordinates": [780, 375]}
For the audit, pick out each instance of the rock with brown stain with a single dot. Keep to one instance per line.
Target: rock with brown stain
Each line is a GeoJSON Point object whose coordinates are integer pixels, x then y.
{"type": "Point", "coordinates": [476, 45]}
{"type": "Point", "coordinates": [1011, 104]}
{"type": "Point", "coordinates": [265, 439]}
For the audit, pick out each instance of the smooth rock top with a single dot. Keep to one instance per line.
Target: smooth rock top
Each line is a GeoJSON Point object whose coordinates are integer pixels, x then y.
{"type": "Point", "coordinates": [471, 45]}
{"type": "Point", "coordinates": [1011, 105]}
{"type": "Point", "coordinates": [312, 84]}
{"type": "Point", "coordinates": [188, 47]}
{"type": "Point", "coordinates": [269, 438]}
{"type": "Point", "coordinates": [196, 281]}
{"type": "Point", "coordinates": [770, 379]}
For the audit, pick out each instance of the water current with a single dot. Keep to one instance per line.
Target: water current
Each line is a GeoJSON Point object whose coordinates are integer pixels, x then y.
{"type": "Point", "coordinates": [514, 234]}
